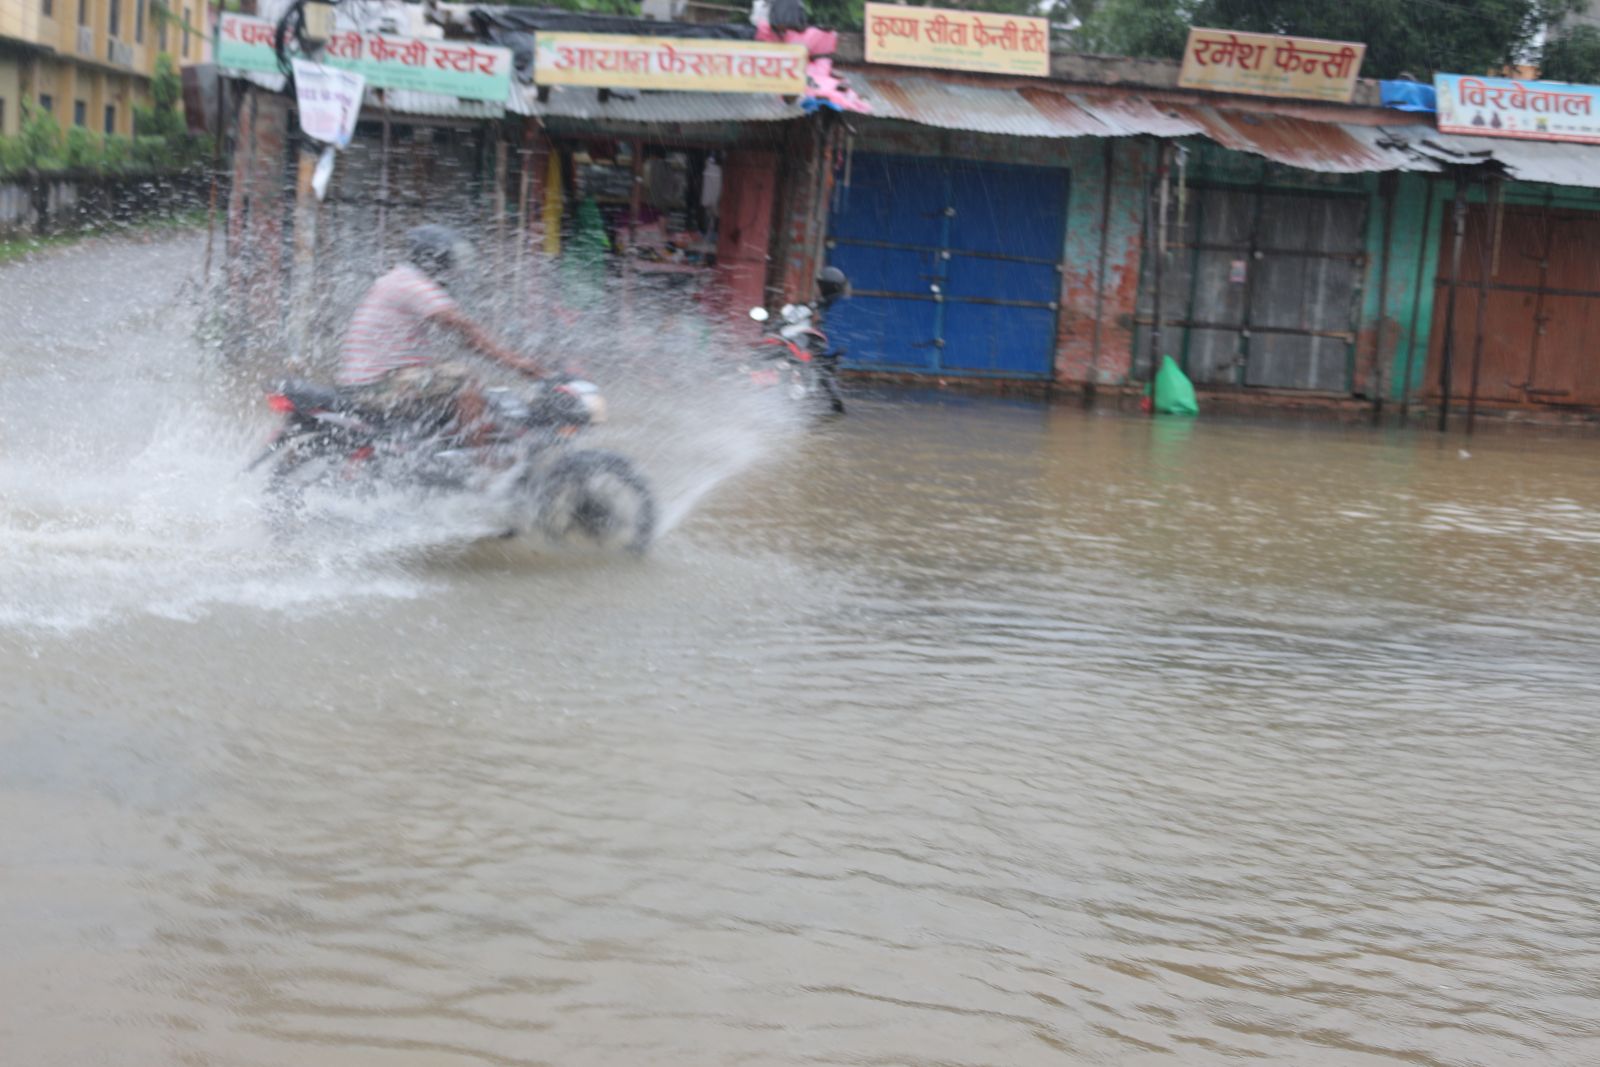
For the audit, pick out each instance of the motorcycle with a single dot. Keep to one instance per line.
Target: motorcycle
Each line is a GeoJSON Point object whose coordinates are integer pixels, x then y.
{"type": "Point", "coordinates": [793, 356]}
{"type": "Point", "coordinates": [520, 454]}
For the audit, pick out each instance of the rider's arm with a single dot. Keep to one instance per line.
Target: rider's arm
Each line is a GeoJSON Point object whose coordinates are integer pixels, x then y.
{"type": "Point", "coordinates": [481, 342]}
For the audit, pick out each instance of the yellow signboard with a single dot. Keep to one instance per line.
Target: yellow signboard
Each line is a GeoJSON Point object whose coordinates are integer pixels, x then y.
{"type": "Point", "coordinates": [958, 40]}
{"type": "Point", "coordinates": [1267, 64]}
{"type": "Point", "coordinates": [610, 61]}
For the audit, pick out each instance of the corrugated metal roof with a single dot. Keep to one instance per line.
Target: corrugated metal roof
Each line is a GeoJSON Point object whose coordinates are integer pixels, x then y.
{"type": "Point", "coordinates": [401, 101]}
{"type": "Point", "coordinates": [433, 105]}
{"type": "Point", "coordinates": [1554, 162]}
{"type": "Point", "coordinates": [634, 106]}
{"type": "Point", "coordinates": [1043, 111]}
{"type": "Point", "coordinates": [1321, 146]}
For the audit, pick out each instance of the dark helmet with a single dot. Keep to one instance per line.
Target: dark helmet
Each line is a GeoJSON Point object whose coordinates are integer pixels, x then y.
{"type": "Point", "coordinates": [433, 248]}
{"type": "Point", "coordinates": [832, 285]}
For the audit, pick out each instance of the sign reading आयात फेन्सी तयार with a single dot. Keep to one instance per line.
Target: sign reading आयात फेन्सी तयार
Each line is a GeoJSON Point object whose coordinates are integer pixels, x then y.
{"type": "Point", "coordinates": [1504, 107]}
{"type": "Point", "coordinates": [958, 40]}
{"type": "Point", "coordinates": [694, 64]}
{"type": "Point", "coordinates": [448, 68]}
{"type": "Point", "coordinates": [1269, 64]}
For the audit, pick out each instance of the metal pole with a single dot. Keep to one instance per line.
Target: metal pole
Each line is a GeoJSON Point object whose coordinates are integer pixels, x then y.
{"type": "Point", "coordinates": [1485, 266]}
{"type": "Point", "coordinates": [1416, 304]}
{"type": "Point", "coordinates": [1100, 280]}
{"type": "Point", "coordinates": [1386, 186]}
{"type": "Point", "coordinates": [1446, 364]}
{"type": "Point", "coordinates": [1161, 255]}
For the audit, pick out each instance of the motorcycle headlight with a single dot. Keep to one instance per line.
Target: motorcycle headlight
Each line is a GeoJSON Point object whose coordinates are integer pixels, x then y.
{"type": "Point", "coordinates": [589, 396]}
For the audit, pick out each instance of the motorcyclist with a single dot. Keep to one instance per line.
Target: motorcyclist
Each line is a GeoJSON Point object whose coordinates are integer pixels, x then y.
{"type": "Point", "coordinates": [832, 286]}
{"type": "Point", "coordinates": [388, 357]}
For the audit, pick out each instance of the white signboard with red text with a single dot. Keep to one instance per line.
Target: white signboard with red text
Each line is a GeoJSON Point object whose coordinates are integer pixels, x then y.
{"type": "Point", "coordinates": [462, 69]}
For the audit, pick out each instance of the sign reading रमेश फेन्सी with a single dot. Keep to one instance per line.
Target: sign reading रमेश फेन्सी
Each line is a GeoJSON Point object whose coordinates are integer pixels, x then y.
{"type": "Point", "coordinates": [612, 61]}
{"type": "Point", "coordinates": [449, 68]}
{"type": "Point", "coordinates": [1268, 64]}
{"type": "Point", "coordinates": [1503, 107]}
{"type": "Point", "coordinates": [958, 40]}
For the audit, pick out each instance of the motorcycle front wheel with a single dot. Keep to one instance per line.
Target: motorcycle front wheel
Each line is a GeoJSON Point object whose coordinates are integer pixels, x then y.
{"type": "Point", "coordinates": [598, 497]}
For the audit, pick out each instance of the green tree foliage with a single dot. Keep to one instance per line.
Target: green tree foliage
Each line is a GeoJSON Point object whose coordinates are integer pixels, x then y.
{"type": "Point", "coordinates": [1574, 56]}
{"type": "Point", "coordinates": [162, 118]}
{"type": "Point", "coordinates": [1416, 36]}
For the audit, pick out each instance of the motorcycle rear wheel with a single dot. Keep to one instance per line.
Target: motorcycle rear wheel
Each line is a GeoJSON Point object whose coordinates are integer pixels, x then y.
{"type": "Point", "coordinates": [599, 497]}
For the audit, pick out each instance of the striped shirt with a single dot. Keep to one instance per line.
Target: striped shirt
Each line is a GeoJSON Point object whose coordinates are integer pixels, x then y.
{"type": "Point", "coordinates": [386, 332]}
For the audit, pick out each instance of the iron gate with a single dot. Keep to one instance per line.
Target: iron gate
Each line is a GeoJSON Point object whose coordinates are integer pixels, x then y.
{"type": "Point", "coordinates": [1262, 288]}
{"type": "Point", "coordinates": [1541, 302]}
{"type": "Point", "coordinates": [955, 265]}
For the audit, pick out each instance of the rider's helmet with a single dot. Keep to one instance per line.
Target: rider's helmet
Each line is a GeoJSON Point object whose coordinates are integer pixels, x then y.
{"type": "Point", "coordinates": [832, 285]}
{"type": "Point", "coordinates": [434, 249]}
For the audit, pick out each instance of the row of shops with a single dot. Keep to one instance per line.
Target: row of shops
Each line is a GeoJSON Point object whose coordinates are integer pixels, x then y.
{"type": "Point", "coordinates": [1060, 224]}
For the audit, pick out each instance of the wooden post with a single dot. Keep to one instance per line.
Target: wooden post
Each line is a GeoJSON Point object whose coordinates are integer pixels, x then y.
{"type": "Point", "coordinates": [1162, 154]}
{"type": "Point", "coordinates": [383, 178]}
{"type": "Point", "coordinates": [303, 287]}
{"type": "Point", "coordinates": [1446, 364]}
{"type": "Point", "coordinates": [1386, 188]}
{"type": "Point", "coordinates": [1487, 254]}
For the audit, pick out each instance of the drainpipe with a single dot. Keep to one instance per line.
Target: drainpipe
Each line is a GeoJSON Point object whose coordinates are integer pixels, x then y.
{"type": "Point", "coordinates": [1446, 364]}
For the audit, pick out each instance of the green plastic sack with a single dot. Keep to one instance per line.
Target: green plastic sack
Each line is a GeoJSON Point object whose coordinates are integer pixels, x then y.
{"type": "Point", "coordinates": [1174, 393]}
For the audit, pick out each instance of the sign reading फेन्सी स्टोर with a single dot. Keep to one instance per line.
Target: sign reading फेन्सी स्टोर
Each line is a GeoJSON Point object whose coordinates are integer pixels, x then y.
{"type": "Point", "coordinates": [1504, 107]}
{"type": "Point", "coordinates": [460, 69]}
{"type": "Point", "coordinates": [1269, 64]}
{"type": "Point", "coordinates": [694, 64]}
{"type": "Point", "coordinates": [958, 40]}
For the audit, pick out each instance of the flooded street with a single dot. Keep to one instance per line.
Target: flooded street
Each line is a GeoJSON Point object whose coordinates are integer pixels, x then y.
{"type": "Point", "coordinates": [958, 731]}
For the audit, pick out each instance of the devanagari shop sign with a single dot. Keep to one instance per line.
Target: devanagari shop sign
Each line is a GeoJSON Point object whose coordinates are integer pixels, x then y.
{"type": "Point", "coordinates": [1267, 64]}
{"type": "Point", "coordinates": [448, 68]}
{"type": "Point", "coordinates": [958, 40]}
{"type": "Point", "coordinates": [1535, 111]}
{"type": "Point", "coordinates": [614, 61]}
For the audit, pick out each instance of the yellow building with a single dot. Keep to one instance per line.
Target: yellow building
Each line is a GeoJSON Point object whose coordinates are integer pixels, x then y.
{"type": "Point", "coordinates": [87, 62]}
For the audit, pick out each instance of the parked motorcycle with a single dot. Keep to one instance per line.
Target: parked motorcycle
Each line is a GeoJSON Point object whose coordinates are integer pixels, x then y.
{"type": "Point", "coordinates": [793, 353]}
{"type": "Point", "coordinates": [522, 455]}
{"type": "Point", "coordinates": [794, 358]}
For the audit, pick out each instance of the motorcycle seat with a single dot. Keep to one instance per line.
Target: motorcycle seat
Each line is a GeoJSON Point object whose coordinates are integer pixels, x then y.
{"type": "Point", "coordinates": [311, 396]}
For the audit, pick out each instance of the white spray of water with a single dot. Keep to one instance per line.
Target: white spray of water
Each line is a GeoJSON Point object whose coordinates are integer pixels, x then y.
{"type": "Point", "coordinates": [123, 443]}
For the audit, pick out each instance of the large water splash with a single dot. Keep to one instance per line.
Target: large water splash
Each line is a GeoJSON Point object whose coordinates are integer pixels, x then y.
{"type": "Point", "coordinates": [123, 441]}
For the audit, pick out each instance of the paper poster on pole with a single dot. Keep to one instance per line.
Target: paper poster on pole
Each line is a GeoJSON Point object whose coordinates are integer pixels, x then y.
{"type": "Point", "coordinates": [329, 101]}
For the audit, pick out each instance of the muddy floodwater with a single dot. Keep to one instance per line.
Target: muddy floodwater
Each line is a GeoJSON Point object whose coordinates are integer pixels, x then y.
{"type": "Point", "coordinates": [956, 732]}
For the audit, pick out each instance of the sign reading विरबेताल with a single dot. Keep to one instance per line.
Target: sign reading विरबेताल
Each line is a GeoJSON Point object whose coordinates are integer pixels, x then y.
{"type": "Point", "coordinates": [958, 40]}
{"type": "Point", "coordinates": [1268, 64]}
{"type": "Point", "coordinates": [1503, 107]}
{"type": "Point", "coordinates": [694, 64]}
{"type": "Point", "coordinates": [461, 69]}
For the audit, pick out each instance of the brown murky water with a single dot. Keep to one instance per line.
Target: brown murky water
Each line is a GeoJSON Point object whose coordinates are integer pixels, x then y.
{"type": "Point", "coordinates": [957, 732]}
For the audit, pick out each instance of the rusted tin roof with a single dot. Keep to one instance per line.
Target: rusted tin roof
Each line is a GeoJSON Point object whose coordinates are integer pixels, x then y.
{"type": "Point", "coordinates": [634, 106]}
{"type": "Point", "coordinates": [1045, 111]}
{"type": "Point", "coordinates": [1553, 162]}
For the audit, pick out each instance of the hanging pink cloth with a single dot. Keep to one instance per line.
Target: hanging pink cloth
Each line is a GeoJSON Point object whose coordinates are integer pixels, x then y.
{"type": "Point", "coordinates": [822, 85]}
